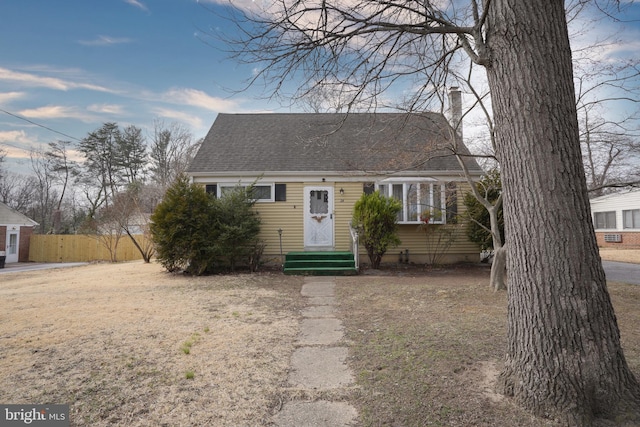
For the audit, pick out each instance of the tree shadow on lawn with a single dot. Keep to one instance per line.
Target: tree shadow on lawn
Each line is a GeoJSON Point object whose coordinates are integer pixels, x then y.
{"type": "Point", "coordinates": [427, 344]}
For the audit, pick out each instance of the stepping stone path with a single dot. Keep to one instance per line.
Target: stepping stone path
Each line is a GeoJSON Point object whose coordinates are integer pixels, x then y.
{"type": "Point", "coordinates": [319, 374]}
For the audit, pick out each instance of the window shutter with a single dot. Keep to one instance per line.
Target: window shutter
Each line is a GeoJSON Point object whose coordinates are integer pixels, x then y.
{"type": "Point", "coordinates": [451, 203]}
{"type": "Point", "coordinates": [368, 188]}
{"type": "Point", "coordinates": [212, 189]}
{"type": "Point", "coordinates": [281, 192]}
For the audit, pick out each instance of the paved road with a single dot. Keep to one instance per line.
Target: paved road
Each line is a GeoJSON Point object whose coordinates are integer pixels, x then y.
{"type": "Point", "coordinates": [622, 272]}
{"type": "Point", "coordinates": [30, 266]}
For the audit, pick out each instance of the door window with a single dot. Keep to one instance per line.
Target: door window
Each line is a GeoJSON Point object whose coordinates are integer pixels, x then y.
{"type": "Point", "coordinates": [319, 202]}
{"type": "Point", "coordinates": [13, 244]}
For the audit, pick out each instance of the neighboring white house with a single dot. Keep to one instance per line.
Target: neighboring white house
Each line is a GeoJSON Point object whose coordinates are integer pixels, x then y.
{"type": "Point", "coordinates": [616, 218]}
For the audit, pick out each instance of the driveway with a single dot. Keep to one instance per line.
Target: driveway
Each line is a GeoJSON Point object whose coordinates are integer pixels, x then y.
{"type": "Point", "coordinates": [622, 272]}
{"type": "Point", "coordinates": [30, 266]}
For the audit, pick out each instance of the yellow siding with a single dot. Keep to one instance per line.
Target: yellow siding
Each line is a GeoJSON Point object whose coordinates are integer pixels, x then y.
{"type": "Point", "coordinates": [343, 212]}
{"type": "Point", "coordinates": [421, 248]}
{"type": "Point", "coordinates": [287, 216]}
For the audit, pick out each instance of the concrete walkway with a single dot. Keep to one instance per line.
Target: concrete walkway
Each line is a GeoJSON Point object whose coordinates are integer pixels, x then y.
{"type": "Point", "coordinates": [319, 380]}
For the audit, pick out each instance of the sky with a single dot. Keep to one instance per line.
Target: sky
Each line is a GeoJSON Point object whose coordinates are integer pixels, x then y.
{"type": "Point", "coordinates": [68, 66]}
{"type": "Point", "coordinates": [72, 65]}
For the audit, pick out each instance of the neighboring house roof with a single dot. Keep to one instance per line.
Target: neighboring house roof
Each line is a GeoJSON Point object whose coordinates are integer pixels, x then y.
{"type": "Point", "coordinates": [13, 217]}
{"type": "Point", "coordinates": [338, 143]}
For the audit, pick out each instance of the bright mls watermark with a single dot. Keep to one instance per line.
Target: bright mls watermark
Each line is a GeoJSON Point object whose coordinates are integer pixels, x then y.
{"type": "Point", "coordinates": [34, 415]}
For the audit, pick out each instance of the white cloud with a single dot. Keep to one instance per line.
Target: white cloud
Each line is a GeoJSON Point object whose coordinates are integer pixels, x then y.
{"type": "Point", "coordinates": [200, 99]}
{"type": "Point", "coordinates": [105, 41]}
{"type": "Point", "coordinates": [106, 108]}
{"type": "Point", "coordinates": [194, 122]}
{"type": "Point", "coordinates": [57, 112]}
{"type": "Point", "coordinates": [35, 80]}
{"type": "Point", "coordinates": [10, 141]}
{"type": "Point", "coordinates": [137, 4]}
{"type": "Point", "coordinates": [7, 97]}
{"type": "Point", "coordinates": [19, 136]}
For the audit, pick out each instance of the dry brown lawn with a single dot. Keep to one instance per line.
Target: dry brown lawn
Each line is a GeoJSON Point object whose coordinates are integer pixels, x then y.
{"type": "Point", "coordinates": [117, 342]}
{"type": "Point", "coordinates": [621, 255]}
{"type": "Point", "coordinates": [427, 346]}
{"type": "Point", "coordinates": [111, 340]}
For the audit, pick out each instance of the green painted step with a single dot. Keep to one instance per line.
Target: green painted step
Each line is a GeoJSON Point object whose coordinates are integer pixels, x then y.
{"type": "Point", "coordinates": [320, 263]}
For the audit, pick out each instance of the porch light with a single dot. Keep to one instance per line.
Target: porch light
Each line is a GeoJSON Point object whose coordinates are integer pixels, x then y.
{"type": "Point", "coordinates": [342, 191]}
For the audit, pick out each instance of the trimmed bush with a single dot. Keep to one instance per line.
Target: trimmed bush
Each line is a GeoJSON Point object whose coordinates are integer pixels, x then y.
{"type": "Point", "coordinates": [376, 219]}
{"type": "Point", "coordinates": [200, 234]}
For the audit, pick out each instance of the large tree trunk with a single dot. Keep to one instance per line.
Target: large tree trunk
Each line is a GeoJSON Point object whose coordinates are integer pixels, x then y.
{"type": "Point", "coordinates": [564, 358]}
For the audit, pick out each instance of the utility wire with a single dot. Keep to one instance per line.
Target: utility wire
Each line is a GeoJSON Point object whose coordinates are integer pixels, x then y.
{"type": "Point", "coordinates": [39, 125]}
{"type": "Point", "coordinates": [14, 146]}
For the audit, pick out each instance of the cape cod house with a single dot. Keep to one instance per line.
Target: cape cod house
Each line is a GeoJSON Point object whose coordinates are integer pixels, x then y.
{"type": "Point", "coordinates": [15, 232]}
{"type": "Point", "coordinates": [310, 169]}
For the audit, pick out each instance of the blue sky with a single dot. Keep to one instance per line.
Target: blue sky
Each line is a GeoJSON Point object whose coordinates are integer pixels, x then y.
{"type": "Point", "coordinates": [72, 65]}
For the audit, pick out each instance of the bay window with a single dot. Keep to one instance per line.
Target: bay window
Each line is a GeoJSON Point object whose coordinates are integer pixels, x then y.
{"type": "Point", "coordinates": [423, 199]}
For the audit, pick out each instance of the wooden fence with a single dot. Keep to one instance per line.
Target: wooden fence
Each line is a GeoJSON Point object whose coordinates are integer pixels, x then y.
{"type": "Point", "coordinates": [81, 248]}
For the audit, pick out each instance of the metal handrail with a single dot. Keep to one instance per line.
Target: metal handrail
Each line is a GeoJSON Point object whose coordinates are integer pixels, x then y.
{"type": "Point", "coordinates": [355, 243]}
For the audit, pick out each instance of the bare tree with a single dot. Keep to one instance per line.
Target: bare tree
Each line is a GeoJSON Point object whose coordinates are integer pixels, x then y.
{"type": "Point", "coordinates": [564, 358]}
{"type": "Point", "coordinates": [172, 149]}
{"type": "Point", "coordinates": [497, 279]}
{"type": "Point", "coordinates": [106, 229]}
{"type": "Point", "coordinates": [610, 141]}
{"type": "Point", "coordinates": [17, 191]}
{"type": "Point", "coordinates": [3, 154]}
{"type": "Point", "coordinates": [610, 152]}
{"type": "Point", "coordinates": [62, 168]}
{"type": "Point", "coordinates": [131, 212]}
{"type": "Point", "coordinates": [42, 205]}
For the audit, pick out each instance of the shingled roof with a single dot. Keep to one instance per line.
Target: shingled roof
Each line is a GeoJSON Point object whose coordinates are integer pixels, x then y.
{"type": "Point", "coordinates": [340, 143]}
{"type": "Point", "coordinates": [12, 216]}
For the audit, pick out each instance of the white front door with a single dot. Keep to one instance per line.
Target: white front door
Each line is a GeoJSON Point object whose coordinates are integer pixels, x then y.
{"type": "Point", "coordinates": [12, 246]}
{"type": "Point", "coordinates": [318, 218]}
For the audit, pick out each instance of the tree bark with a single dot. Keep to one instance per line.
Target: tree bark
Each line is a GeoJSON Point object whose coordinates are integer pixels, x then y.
{"type": "Point", "coordinates": [499, 269]}
{"type": "Point", "coordinates": [564, 358]}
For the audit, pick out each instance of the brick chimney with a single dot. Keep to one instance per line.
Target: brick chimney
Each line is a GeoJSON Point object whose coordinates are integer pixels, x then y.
{"type": "Point", "coordinates": [455, 109]}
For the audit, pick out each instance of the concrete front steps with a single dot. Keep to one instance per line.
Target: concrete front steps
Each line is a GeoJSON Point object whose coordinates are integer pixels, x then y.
{"type": "Point", "coordinates": [320, 264]}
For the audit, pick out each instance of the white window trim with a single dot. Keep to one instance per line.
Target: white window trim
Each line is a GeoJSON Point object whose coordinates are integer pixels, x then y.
{"type": "Point", "coordinates": [221, 185]}
{"type": "Point", "coordinates": [595, 222]}
{"type": "Point", "coordinates": [405, 188]}
{"type": "Point", "coordinates": [624, 223]}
